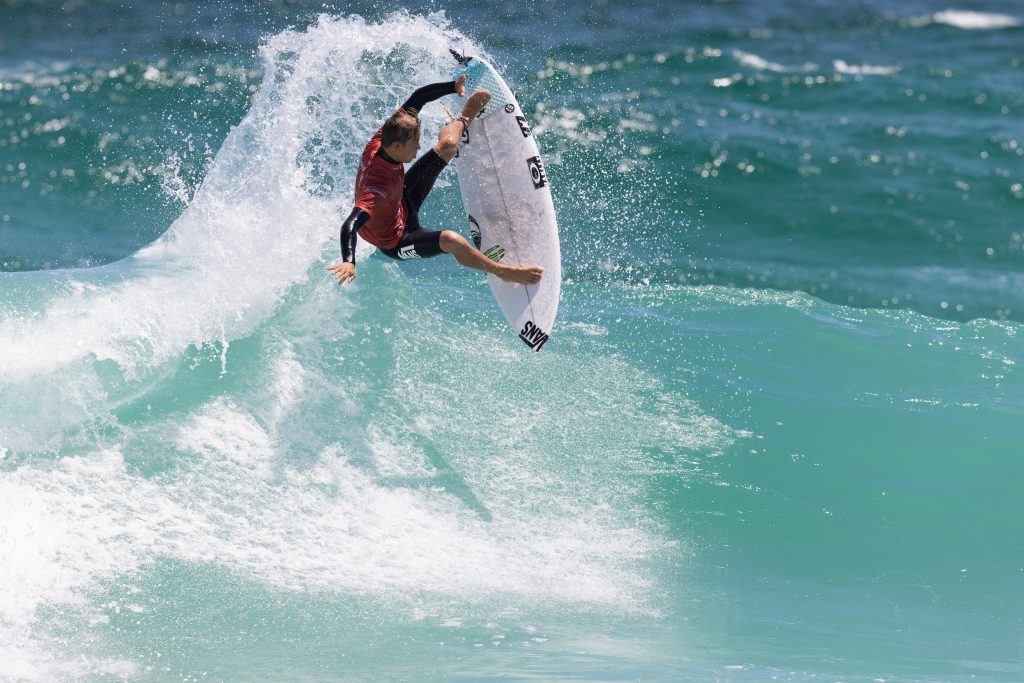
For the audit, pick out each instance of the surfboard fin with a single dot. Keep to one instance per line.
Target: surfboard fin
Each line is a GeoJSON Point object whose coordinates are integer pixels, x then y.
{"type": "Point", "coordinates": [460, 58]}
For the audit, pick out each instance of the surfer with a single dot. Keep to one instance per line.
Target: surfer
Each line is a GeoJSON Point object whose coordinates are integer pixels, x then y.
{"type": "Point", "coordinates": [388, 199]}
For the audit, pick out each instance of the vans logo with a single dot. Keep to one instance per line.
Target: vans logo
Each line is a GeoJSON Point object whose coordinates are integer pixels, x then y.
{"type": "Point", "coordinates": [474, 230]}
{"type": "Point", "coordinates": [524, 126]}
{"type": "Point", "coordinates": [533, 336]}
{"type": "Point", "coordinates": [495, 253]}
{"type": "Point", "coordinates": [540, 178]}
{"type": "Point", "coordinates": [408, 252]}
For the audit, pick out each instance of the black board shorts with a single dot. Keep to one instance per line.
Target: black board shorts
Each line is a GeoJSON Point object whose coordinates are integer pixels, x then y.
{"type": "Point", "coordinates": [417, 241]}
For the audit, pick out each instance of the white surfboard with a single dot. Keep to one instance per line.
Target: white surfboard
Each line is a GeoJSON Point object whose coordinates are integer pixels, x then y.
{"type": "Point", "coordinates": [508, 203]}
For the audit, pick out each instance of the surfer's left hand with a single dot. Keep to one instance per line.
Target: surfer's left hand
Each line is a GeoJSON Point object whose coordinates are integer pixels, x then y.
{"type": "Point", "coordinates": [343, 272]}
{"type": "Point", "coordinates": [460, 85]}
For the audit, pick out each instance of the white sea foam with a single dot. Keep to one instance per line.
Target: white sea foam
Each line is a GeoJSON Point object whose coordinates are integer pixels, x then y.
{"type": "Point", "coordinates": [970, 20]}
{"type": "Point", "coordinates": [863, 69]}
{"type": "Point", "coordinates": [33, 73]}
{"type": "Point", "coordinates": [377, 518]}
{"type": "Point", "coordinates": [753, 61]}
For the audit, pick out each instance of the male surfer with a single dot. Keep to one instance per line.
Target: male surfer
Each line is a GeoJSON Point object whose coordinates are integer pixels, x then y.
{"type": "Point", "coordinates": [388, 199]}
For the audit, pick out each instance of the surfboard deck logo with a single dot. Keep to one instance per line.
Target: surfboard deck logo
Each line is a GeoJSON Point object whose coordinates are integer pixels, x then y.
{"type": "Point", "coordinates": [495, 253]}
{"type": "Point", "coordinates": [536, 166]}
{"type": "Point", "coordinates": [474, 230]}
{"type": "Point", "coordinates": [533, 335]}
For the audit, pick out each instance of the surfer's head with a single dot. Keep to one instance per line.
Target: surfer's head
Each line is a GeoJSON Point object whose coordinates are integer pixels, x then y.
{"type": "Point", "coordinates": [400, 136]}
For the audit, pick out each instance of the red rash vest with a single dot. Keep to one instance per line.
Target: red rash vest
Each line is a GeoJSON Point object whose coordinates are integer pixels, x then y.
{"type": "Point", "coordinates": [379, 186]}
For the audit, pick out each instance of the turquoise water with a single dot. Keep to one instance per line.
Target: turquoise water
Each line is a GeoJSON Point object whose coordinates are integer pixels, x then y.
{"type": "Point", "coordinates": [775, 436]}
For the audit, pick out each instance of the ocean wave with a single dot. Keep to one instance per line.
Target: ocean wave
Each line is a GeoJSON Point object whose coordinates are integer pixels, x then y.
{"type": "Point", "coordinates": [32, 71]}
{"type": "Point", "coordinates": [325, 464]}
{"type": "Point", "coordinates": [753, 61]}
{"type": "Point", "coordinates": [759, 63]}
{"type": "Point", "coordinates": [215, 400]}
{"type": "Point", "coordinates": [971, 20]}
{"type": "Point", "coordinates": [863, 69]}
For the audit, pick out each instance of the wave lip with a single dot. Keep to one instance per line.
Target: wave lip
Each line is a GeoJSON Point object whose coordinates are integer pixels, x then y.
{"type": "Point", "coordinates": [970, 20]}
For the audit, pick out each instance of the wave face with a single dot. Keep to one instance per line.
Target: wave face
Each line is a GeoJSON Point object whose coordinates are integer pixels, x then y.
{"type": "Point", "coordinates": [774, 436]}
{"type": "Point", "coordinates": [213, 406]}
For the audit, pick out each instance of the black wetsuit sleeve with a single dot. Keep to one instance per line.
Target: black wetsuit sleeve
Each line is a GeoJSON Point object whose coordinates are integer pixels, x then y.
{"type": "Point", "coordinates": [356, 219]}
{"type": "Point", "coordinates": [428, 93]}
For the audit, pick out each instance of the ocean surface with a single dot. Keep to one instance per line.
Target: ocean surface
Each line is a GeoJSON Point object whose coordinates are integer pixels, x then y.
{"type": "Point", "coordinates": [776, 435]}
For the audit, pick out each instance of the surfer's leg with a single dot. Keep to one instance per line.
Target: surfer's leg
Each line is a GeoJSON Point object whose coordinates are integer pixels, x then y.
{"type": "Point", "coordinates": [451, 135]}
{"type": "Point", "coordinates": [448, 140]}
{"type": "Point", "coordinates": [419, 243]}
{"type": "Point", "coordinates": [456, 245]}
{"type": "Point", "coordinates": [419, 179]}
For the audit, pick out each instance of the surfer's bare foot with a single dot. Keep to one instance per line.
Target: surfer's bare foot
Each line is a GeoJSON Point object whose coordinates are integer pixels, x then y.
{"type": "Point", "coordinates": [475, 104]}
{"type": "Point", "coordinates": [521, 275]}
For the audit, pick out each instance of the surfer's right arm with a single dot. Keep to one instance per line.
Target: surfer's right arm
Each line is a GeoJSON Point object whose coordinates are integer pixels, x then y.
{"type": "Point", "coordinates": [347, 269]}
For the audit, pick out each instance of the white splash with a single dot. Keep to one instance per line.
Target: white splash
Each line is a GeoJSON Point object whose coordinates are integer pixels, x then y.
{"type": "Point", "coordinates": [259, 220]}
{"type": "Point", "coordinates": [969, 20]}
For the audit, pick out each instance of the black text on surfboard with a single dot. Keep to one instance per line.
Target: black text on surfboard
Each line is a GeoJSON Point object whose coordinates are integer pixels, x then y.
{"type": "Point", "coordinates": [540, 178]}
{"type": "Point", "coordinates": [533, 336]}
{"type": "Point", "coordinates": [524, 126]}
